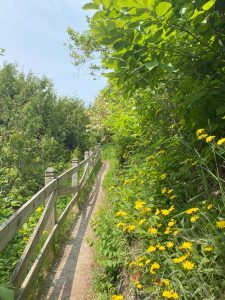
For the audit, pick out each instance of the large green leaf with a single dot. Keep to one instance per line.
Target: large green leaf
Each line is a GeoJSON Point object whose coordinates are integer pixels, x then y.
{"type": "Point", "coordinates": [90, 6]}
{"type": "Point", "coordinates": [208, 4]}
{"type": "Point", "coordinates": [119, 4]}
{"type": "Point", "coordinates": [151, 64]}
{"type": "Point", "coordinates": [163, 8]}
{"type": "Point", "coordinates": [106, 3]}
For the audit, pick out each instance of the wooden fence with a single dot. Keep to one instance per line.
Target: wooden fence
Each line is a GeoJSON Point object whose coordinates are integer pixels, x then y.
{"type": "Point", "coordinates": [25, 273]}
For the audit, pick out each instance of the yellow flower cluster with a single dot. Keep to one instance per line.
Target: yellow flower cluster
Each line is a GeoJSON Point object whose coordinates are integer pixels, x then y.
{"type": "Point", "coordinates": [188, 265]}
{"type": "Point", "coordinates": [192, 210]}
{"type": "Point", "coordinates": [180, 259]}
{"type": "Point", "coordinates": [221, 141]}
{"type": "Point", "coordinates": [117, 297]}
{"type": "Point", "coordinates": [186, 245]}
{"type": "Point", "coordinates": [153, 230]}
{"type": "Point", "coordinates": [201, 135]}
{"type": "Point", "coordinates": [139, 204]}
{"type": "Point", "coordinates": [121, 213]}
{"type": "Point", "coordinates": [208, 248]}
{"type": "Point", "coordinates": [138, 285]}
{"type": "Point", "coordinates": [220, 224]}
{"type": "Point", "coordinates": [194, 218]}
{"type": "Point", "coordinates": [170, 294]}
{"type": "Point", "coordinates": [155, 266]}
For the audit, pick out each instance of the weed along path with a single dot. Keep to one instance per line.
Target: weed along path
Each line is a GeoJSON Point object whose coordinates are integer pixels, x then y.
{"type": "Point", "coordinates": [72, 277]}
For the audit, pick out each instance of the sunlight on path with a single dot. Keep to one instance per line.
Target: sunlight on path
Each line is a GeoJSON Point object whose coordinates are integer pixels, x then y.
{"type": "Point", "coordinates": [71, 279]}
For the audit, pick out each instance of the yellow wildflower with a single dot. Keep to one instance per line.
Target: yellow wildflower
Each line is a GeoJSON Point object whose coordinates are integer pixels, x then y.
{"type": "Point", "coordinates": [186, 245]}
{"type": "Point", "coordinates": [199, 131]}
{"type": "Point", "coordinates": [163, 176]}
{"type": "Point", "coordinates": [202, 136]}
{"type": "Point", "coordinates": [188, 265]}
{"type": "Point", "coordinates": [210, 206]}
{"type": "Point", "coordinates": [194, 218]}
{"type": "Point", "coordinates": [208, 248]}
{"type": "Point", "coordinates": [210, 138]}
{"type": "Point", "coordinates": [138, 285]}
{"type": "Point", "coordinates": [170, 191]}
{"type": "Point", "coordinates": [171, 208]}
{"type": "Point", "coordinates": [221, 141]}
{"type": "Point", "coordinates": [39, 209]}
{"type": "Point", "coordinates": [153, 230]}
{"type": "Point", "coordinates": [164, 190]}
{"type": "Point", "coordinates": [192, 210]}
{"type": "Point", "coordinates": [155, 266]}
{"type": "Point", "coordinates": [117, 297]}
{"type": "Point", "coordinates": [151, 249]}
{"type": "Point", "coordinates": [142, 221]}
{"type": "Point", "coordinates": [141, 258]}
{"type": "Point", "coordinates": [139, 204]}
{"type": "Point", "coordinates": [161, 247]}
{"type": "Point", "coordinates": [145, 209]}
{"type": "Point", "coordinates": [180, 259]}
{"type": "Point", "coordinates": [175, 232]}
{"type": "Point", "coordinates": [170, 294]}
{"type": "Point", "coordinates": [121, 213]}
{"type": "Point", "coordinates": [140, 264]}
{"type": "Point", "coordinates": [220, 224]}
{"type": "Point", "coordinates": [172, 197]}
{"type": "Point", "coordinates": [167, 231]}
{"type": "Point", "coordinates": [120, 224]}
{"type": "Point", "coordinates": [169, 244]}
{"type": "Point", "coordinates": [165, 282]}
{"type": "Point", "coordinates": [133, 263]}
{"type": "Point", "coordinates": [165, 212]}
{"type": "Point", "coordinates": [111, 188]}
{"type": "Point", "coordinates": [147, 261]}
{"type": "Point", "coordinates": [130, 228]}
{"type": "Point", "coordinates": [171, 223]}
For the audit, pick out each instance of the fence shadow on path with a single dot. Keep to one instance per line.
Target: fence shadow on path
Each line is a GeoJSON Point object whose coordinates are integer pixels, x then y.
{"type": "Point", "coordinates": [60, 284]}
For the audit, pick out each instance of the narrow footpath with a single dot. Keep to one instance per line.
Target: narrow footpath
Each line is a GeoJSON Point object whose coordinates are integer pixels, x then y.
{"type": "Point", "coordinates": [72, 277]}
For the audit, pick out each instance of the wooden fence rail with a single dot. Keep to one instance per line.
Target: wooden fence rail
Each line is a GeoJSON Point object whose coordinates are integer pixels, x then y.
{"type": "Point", "coordinates": [22, 278]}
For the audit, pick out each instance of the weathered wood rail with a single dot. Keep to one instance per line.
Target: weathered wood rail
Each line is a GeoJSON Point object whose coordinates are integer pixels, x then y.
{"type": "Point", "coordinates": [25, 271]}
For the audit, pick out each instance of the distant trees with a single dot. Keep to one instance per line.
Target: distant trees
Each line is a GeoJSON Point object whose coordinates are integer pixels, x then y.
{"type": "Point", "coordinates": [37, 129]}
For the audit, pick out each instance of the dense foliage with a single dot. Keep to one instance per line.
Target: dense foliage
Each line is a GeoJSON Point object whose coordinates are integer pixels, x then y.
{"type": "Point", "coordinates": [164, 113]}
{"type": "Point", "coordinates": [38, 129]}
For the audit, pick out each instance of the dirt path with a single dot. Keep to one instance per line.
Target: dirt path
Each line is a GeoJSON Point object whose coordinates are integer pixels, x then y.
{"type": "Point", "coordinates": [72, 277]}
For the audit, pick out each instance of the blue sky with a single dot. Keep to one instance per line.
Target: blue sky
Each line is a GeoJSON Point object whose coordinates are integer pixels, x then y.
{"type": "Point", "coordinates": [33, 32]}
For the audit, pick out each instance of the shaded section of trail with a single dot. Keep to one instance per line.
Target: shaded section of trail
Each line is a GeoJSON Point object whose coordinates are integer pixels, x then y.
{"type": "Point", "coordinates": [71, 278]}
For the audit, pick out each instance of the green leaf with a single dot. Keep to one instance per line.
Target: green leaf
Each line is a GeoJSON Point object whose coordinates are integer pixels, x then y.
{"type": "Point", "coordinates": [208, 4]}
{"type": "Point", "coordinates": [196, 13]}
{"type": "Point", "coordinates": [221, 110]}
{"type": "Point", "coordinates": [6, 294]}
{"type": "Point", "coordinates": [98, 16]}
{"type": "Point", "coordinates": [106, 3]}
{"type": "Point", "coordinates": [163, 8]}
{"type": "Point", "coordinates": [119, 45]}
{"type": "Point", "coordinates": [151, 64]}
{"type": "Point", "coordinates": [90, 6]}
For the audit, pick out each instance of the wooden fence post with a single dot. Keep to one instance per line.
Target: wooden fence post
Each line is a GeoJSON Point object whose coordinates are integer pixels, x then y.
{"type": "Point", "coordinates": [50, 176]}
{"type": "Point", "coordinates": [91, 160]}
{"type": "Point", "coordinates": [86, 154]}
{"type": "Point", "coordinates": [74, 175]}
